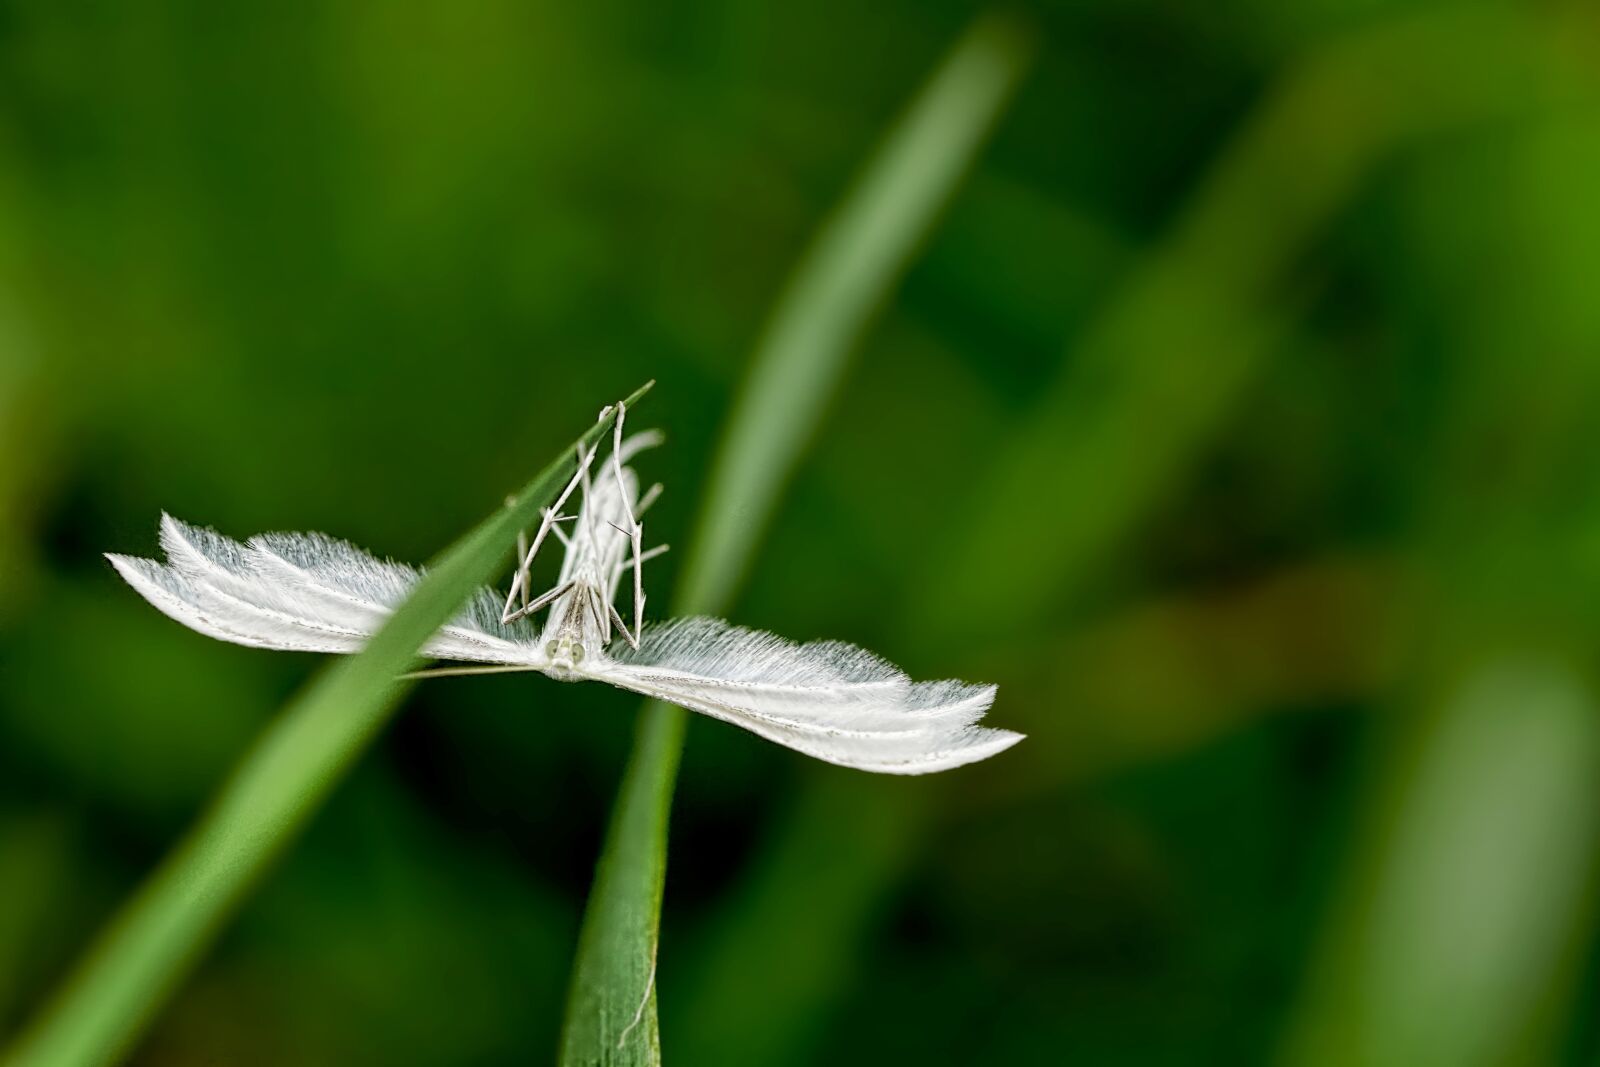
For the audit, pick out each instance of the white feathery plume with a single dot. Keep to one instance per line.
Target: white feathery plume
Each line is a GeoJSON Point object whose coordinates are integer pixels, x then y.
{"type": "Point", "coordinates": [827, 699]}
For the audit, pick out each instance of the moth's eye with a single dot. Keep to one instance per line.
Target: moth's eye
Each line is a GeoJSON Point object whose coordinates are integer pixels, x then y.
{"type": "Point", "coordinates": [577, 653]}
{"type": "Point", "coordinates": [550, 649]}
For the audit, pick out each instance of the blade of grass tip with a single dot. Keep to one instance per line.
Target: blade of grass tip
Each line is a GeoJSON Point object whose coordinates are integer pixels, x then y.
{"type": "Point", "coordinates": [1174, 352]}
{"type": "Point", "coordinates": [161, 931]}
{"type": "Point", "coordinates": [848, 271]}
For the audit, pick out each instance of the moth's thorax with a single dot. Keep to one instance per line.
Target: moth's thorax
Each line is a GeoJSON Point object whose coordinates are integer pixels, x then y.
{"type": "Point", "coordinates": [574, 632]}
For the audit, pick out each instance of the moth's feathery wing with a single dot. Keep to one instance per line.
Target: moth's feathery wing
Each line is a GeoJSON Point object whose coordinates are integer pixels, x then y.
{"type": "Point", "coordinates": [305, 592]}
{"type": "Point", "coordinates": [346, 582]}
{"type": "Point", "coordinates": [827, 699]}
{"type": "Point", "coordinates": [177, 598]}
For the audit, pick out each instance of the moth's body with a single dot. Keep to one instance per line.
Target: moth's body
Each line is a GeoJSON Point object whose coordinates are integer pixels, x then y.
{"type": "Point", "coordinates": [571, 632]}
{"type": "Point", "coordinates": [579, 624]}
{"type": "Point", "coordinates": [827, 699]}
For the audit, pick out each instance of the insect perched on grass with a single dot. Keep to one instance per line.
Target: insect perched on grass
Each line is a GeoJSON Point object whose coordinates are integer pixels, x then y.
{"type": "Point", "coordinates": [828, 699]}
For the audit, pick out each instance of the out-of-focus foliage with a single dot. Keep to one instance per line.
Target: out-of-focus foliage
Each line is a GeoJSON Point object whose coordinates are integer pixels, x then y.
{"type": "Point", "coordinates": [1236, 419]}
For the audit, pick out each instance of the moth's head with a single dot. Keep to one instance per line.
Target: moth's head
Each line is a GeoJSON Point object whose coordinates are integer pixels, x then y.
{"type": "Point", "coordinates": [566, 653]}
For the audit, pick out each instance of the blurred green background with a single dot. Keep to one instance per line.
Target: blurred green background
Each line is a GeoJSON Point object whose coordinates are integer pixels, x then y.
{"type": "Point", "coordinates": [1237, 419]}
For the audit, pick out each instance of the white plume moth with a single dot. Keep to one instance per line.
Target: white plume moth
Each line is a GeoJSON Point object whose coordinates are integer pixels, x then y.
{"type": "Point", "coordinates": [828, 699]}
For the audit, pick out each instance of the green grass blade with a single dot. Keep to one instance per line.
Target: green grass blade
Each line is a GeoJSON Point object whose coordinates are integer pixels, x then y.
{"type": "Point", "coordinates": [853, 264]}
{"type": "Point", "coordinates": [165, 927]}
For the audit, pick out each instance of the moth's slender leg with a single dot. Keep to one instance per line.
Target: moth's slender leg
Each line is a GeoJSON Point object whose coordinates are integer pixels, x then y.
{"type": "Point", "coordinates": [550, 518]}
{"type": "Point", "coordinates": [544, 598]}
{"type": "Point", "coordinates": [632, 638]}
{"type": "Point", "coordinates": [616, 435]}
{"type": "Point", "coordinates": [561, 535]}
{"type": "Point", "coordinates": [521, 578]}
{"type": "Point", "coordinates": [635, 531]}
{"type": "Point", "coordinates": [624, 563]}
{"type": "Point", "coordinates": [605, 622]}
{"type": "Point", "coordinates": [538, 602]}
{"type": "Point", "coordinates": [638, 581]}
{"type": "Point", "coordinates": [616, 578]}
